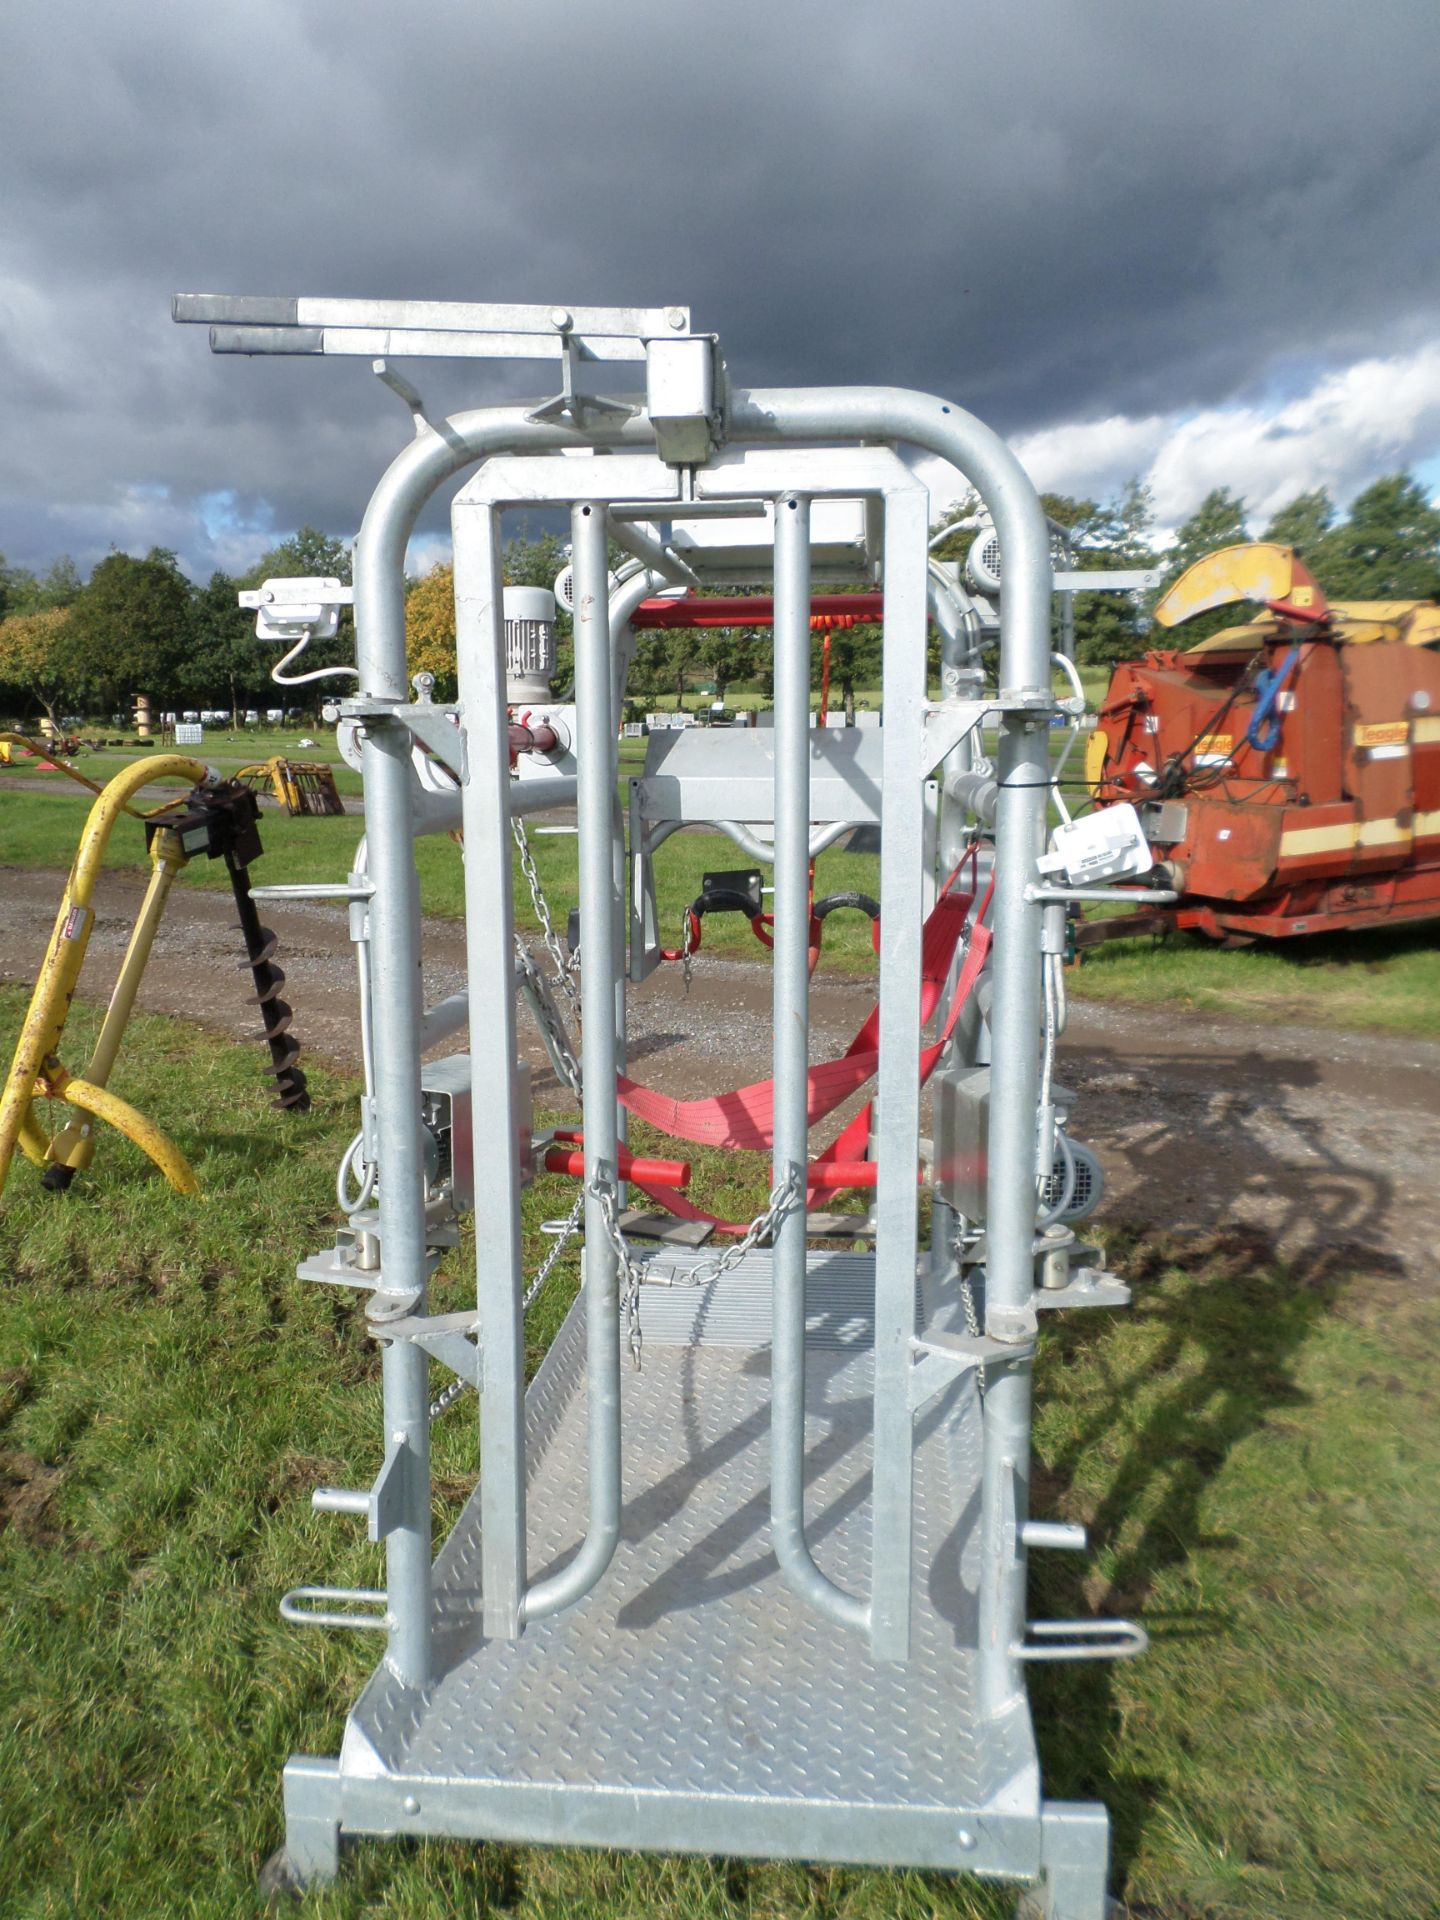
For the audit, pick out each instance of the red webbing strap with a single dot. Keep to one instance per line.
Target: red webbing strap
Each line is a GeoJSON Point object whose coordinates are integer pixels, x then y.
{"type": "Point", "coordinates": [744, 1118]}
{"type": "Point", "coordinates": [855, 1138]}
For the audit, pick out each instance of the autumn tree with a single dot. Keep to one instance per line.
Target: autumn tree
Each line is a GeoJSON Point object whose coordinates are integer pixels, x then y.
{"type": "Point", "coordinates": [430, 610]}
{"type": "Point", "coordinates": [34, 662]}
{"type": "Point", "coordinates": [430, 628]}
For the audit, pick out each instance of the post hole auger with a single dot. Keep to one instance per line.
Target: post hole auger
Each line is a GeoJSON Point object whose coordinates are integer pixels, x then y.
{"type": "Point", "coordinates": [217, 819]}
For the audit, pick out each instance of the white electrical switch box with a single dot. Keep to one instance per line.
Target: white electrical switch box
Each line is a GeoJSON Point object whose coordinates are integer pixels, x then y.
{"type": "Point", "coordinates": [1109, 844]}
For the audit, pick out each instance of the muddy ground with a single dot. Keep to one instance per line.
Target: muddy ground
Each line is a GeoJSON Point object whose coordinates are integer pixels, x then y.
{"type": "Point", "coordinates": [1325, 1143]}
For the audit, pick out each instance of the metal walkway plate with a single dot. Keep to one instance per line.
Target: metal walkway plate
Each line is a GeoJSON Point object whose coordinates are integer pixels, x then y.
{"type": "Point", "coordinates": [691, 1701]}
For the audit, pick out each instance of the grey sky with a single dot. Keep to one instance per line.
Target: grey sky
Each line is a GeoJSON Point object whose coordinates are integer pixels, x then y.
{"type": "Point", "coordinates": [1058, 213]}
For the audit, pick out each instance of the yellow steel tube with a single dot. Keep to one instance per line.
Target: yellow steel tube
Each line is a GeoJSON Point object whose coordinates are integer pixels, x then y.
{"type": "Point", "coordinates": [60, 969]}
{"type": "Point", "coordinates": [31, 1140]}
{"type": "Point", "coordinates": [126, 1119]}
{"type": "Point", "coordinates": [74, 1145]}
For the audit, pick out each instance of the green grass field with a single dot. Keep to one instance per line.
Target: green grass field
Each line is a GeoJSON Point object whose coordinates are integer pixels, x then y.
{"type": "Point", "coordinates": [1255, 1453]}
{"type": "Point", "coordinates": [1374, 980]}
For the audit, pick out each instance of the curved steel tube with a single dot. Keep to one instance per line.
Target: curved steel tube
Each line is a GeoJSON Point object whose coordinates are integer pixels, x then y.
{"type": "Point", "coordinates": [791, 1066]}
{"type": "Point", "coordinates": [593, 715]}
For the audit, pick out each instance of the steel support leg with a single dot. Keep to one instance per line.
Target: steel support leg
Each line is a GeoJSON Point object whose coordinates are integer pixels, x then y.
{"type": "Point", "coordinates": [1074, 1864]}
{"type": "Point", "coordinates": [312, 1819]}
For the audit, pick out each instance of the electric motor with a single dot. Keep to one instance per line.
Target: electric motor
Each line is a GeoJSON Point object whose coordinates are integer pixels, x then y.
{"type": "Point", "coordinates": [529, 644]}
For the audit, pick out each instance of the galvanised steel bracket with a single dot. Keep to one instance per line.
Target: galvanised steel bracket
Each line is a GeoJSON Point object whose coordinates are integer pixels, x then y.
{"type": "Point", "coordinates": [1087, 1287]}
{"type": "Point", "coordinates": [435, 727]}
{"type": "Point", "coordinates": [383, 1504]}
{"type": "Point", "coordinates": [941, 1357]}
{"type": "Point", "coordinates": [446, 1337]}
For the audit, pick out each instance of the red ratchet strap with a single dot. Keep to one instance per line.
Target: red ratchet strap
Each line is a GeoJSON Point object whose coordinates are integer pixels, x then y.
{"type": "Point", "coordinates": [745, 1118]}
{"type": "Point", "coordinates": [852, 1143]}
{"type": "Point", "coordinates": [851, 1146]}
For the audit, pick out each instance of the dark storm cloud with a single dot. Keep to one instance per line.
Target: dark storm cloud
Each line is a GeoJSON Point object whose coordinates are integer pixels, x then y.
{"type": "Point", "coordinates": [1052, 211]}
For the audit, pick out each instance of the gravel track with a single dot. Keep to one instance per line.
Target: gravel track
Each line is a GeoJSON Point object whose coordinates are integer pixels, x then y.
{"type": "Point", "coordinates": [1324, 1142]}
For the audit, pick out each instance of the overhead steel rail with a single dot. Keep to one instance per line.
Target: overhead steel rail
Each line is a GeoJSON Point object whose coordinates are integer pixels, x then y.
{"type": "Point", "coordinates": [766, 1595]}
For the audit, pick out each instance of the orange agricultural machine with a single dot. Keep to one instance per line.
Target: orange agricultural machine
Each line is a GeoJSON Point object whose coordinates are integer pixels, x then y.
{"type": "Point", "coordinates": [1286, 771]}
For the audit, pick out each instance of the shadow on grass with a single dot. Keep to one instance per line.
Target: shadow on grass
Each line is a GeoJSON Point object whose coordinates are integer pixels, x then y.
{"type": "Point", "coordinates": [1225, 1322]}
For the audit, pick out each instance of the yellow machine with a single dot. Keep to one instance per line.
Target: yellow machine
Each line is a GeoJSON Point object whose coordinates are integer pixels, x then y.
{"type": "Point", "coordinates": [215, 818]}
{"type": "Point", "coordinates": [301, 786]}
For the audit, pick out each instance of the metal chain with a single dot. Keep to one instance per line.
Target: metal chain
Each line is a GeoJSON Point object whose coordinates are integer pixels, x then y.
{"type": "Point", "coordinates": [564, 968]}
{"type": "Point", "coordinates": [444, 1401]}
{"type": "Point", "coordinates": [972, 1311]}
{"type": "Point", "coordinates": [782, 1198]}
{"type": "Point", "coordinates": [567, 1231]}
{"type": "Point", "coordinates": [602, 1192]}
{"type": "Point", "coordinates": [562, 1240]}
{"type": "Point", "coordinates": [551, 1020]}
{"type": "Point", "coordinates": [686, 949]}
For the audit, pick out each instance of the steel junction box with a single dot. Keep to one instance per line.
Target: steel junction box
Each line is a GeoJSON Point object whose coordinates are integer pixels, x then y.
{"type": "Point", "coordinates": [445, 1105]}
{"type": "Point", "coordinates": [680, 398]}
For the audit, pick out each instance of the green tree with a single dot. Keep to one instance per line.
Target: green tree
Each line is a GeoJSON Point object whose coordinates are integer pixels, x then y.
{"type": "Point", "coordinates": [1218, 521]}
{"type": "Point", "coordinates": [1388, 548]}
{"type": "Point", "coordinates": [228, 666]}
{"type": "Point", "coordinates": [1106, 536]}
{"type": "Point", "coordinates": [130, 631]}
{"type": "Point", "coordinates": [650, 667]}
{"type": "Point", "coordinates": [854, 661]}
{"type": "Point", "coordinates": [1304, 523]}
{"type": "Point", "coordinates": [22, 591]}
{"type": "Point", "coordinates": [728, 654]}
{"type": "Point", "coordinates": [306, 554]}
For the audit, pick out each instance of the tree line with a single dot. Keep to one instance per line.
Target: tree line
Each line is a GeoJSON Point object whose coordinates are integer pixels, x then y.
{"type": "Point", "coordinates": [138, 625]}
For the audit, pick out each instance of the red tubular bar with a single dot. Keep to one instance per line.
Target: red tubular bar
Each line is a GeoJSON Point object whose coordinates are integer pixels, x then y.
{"type": "Point", "coordinates": [748, 610]}
{"type": "Point", "coordinates": [540, 738]}
{"type": "Point", "coordinates": [660, 1173]}
{"type": "Point", "coordinates": [828, 1176]}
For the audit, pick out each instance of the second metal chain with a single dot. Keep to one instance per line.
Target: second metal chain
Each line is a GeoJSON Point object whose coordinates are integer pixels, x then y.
{"type": "Point", "coordinates": [459, 1384]}
{"type": "Point", "coordinates": [564, 967]}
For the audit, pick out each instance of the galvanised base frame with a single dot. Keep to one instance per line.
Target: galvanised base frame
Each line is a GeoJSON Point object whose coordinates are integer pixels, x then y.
{"type": "Point", "coordinates": [768, 1595]}
{"type": "Point", "coordinates": [693, 1702]}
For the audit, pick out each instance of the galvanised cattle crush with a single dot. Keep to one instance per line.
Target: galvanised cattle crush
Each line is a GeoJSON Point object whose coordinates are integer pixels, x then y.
{"type": "Point", "coordinates": [759, 1586]}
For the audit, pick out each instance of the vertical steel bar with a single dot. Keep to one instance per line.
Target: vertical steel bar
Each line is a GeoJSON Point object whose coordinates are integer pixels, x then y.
{"type": "Point", "coordinates": [902, 837]}
{"type": "Point", "coordinates": [594, 714]}
{"type": "Point", "coordinates": [395, 979]}
{"type": "Point", "coordinates": [791, 1064]}
{"type": "Point", "coordinates": [490, 963]}
{"type": "Point", "coordinates": [1023, 770]}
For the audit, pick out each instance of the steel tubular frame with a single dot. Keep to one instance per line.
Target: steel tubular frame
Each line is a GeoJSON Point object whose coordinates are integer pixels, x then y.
{"type": "Point", "coordinates": [762, 418]}
{"type": "Point", "coordinates": [784, 447]}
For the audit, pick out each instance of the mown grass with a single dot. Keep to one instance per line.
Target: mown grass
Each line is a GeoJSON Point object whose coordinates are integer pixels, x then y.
{"type": "Point", "coordinates": [222, 748]}
{"type": "Point", "coordinates": [1381, 979]}
{"type": "Point", "coordinates": [1254, 1450]}
{"type": "Point", "coordinates": [41, 830]}
{"type": "Point", "coordinates": [1376, 980]}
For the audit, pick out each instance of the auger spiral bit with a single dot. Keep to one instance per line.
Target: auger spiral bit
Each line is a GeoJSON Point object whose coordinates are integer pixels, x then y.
{"type": "Point", "coordinates": [276, 1014]}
